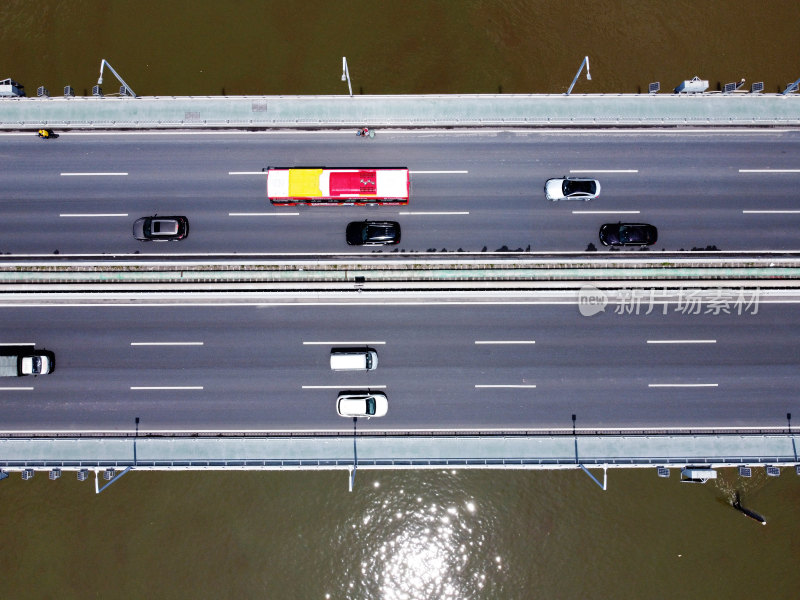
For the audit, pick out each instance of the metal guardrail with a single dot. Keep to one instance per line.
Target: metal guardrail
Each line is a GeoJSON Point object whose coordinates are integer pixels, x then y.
{"type": "Point", "coordinates": [566, 432]}
{"type": "Point", "coordinates": [565, 462]}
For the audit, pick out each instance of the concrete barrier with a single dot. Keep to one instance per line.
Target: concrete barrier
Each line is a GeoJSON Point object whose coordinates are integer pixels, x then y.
{"type": "Point", "coordinates": [484, 110]}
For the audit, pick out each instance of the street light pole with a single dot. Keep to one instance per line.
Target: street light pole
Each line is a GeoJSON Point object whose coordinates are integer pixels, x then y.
{"type": "Point", "coordinates": [105, 63]}
{"type": "Point", "coordinates": [588, 75]}
{"type": "Point", "coordinates": [346, 75]}
{"type": "Point", "coordinates": [792, 87]}
{"type": "Point", "coordinates": [352, 470]}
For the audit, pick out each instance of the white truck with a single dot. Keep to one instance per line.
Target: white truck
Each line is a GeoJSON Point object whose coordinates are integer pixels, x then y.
{"type": "Point", "coordinates": [34, 362]}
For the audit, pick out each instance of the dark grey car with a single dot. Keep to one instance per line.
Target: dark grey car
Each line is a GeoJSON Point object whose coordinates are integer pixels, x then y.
{"type": "Point", "coordinates": [373, 233]}
{"type": "Point", "coordinates": [160, 229]}
{"type": "Point", "coordinates": [628, 234]}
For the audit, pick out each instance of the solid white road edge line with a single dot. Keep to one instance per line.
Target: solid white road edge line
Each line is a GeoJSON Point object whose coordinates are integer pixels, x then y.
{"type": "Point", "coordinates": [266, 304]}
{"type": "Point", "coordinates": [730, 430]}
{"type": "Point", "coordinates": [467, 130]}
{"type": "Point", "coordinates": [441, 257]}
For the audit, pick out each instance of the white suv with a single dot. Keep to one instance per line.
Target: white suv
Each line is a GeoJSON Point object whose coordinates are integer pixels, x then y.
{"type": "Point", "coordinates": [362, 404]}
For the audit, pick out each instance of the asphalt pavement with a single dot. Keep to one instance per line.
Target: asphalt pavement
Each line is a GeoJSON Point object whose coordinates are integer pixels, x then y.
{"type": "Point", "coordinates": [467, 367]}
{"type": "Point", "coordinates": [471, 190]}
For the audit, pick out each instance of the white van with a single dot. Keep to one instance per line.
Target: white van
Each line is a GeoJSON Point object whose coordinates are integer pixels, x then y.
{"type": "Point", "coordinates": [354, 359]}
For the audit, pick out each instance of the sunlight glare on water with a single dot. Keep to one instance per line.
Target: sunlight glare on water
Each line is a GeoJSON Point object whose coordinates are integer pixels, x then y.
{"type": "Point", "coordinates": [421, 546]}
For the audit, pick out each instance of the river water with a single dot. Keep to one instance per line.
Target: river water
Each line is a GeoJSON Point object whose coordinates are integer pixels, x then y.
{"type": "Point", "coordinates": [183, 47]}
{"type": "Point", "coordinates": [400, 534]}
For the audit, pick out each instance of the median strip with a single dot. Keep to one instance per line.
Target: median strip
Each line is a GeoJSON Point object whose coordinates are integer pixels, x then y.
{"type": "Point", "coordinates": [407, 272]}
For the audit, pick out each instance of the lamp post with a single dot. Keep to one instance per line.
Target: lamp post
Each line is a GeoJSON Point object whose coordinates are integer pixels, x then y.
{"type": "Point", "coordinates": [126, 89]}
{"type": "Point", "coordinates": [346, 75]}
{"type": "Point", "coordinates": [588, 75]}
{"type": "Point", "coordinates": [792, 87]}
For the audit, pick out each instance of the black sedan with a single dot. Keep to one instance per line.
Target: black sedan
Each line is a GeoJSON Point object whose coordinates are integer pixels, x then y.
{"type": "Point", "coordinates": [628, 234]}
{"type": "Point", "coordinates": [160, 229]}
{"type": "Point", "coordinates": [373, 233]}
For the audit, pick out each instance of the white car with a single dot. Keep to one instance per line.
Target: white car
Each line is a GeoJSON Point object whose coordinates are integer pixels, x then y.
{"type": "Point", "coordinates": [362, 404]}
{"type": "Point", "coordinates": [571, 188]}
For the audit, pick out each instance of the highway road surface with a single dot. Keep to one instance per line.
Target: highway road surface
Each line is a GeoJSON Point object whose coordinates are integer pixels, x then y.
{"type": "Point", "coordinates": [471, 190]}
{"type": "Point", "coordinates": [488, 365]}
